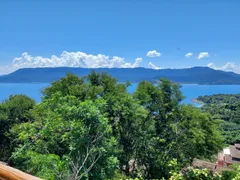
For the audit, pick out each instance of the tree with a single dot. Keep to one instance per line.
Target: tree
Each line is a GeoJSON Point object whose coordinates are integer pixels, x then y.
{"type": "Point", "coordinates": [181, 132]}
{"type": "Point", "coordinates": [200, 133]}
{"type": "Point", "coordinates": [125, 115]}
{"type": "Point", "coordinates": [92, 128]}
{"type": "Point", "coordinates": [13, 111]}
{"type": "Point", "coordinates": [76, 135]}
{"type": "Point", "coordinates": [191, 173]}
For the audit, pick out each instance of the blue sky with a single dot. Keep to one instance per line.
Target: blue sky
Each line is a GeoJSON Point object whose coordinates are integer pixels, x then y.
{"type": "Point", "coordinates": [77, 31]}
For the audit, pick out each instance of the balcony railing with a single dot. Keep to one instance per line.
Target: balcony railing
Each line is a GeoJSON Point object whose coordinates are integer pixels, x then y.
{"type": "Point", "coordinates": [9, 173]}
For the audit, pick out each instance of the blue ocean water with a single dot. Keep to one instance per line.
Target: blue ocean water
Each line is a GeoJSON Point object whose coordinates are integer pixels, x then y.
{"type": "Point", "coordinates": [32, 90]}
{"type": "Point", "coordinates": [190, 91]}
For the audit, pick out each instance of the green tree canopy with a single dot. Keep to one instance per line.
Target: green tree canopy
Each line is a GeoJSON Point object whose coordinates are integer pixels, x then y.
{"type": "Point", "coordinates": [92, 128]}
{"type": "Point", "coordinates": [13, 111]}
{"type": "Point", "coordinates": [76, 135]}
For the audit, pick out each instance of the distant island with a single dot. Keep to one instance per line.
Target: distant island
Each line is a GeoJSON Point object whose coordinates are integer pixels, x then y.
{"type": "Point", "coordinates": [195, 75]}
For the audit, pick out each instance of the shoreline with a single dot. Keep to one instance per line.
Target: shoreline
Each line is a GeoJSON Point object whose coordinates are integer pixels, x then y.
{"type": "Point", "coordinates": [198, 102]}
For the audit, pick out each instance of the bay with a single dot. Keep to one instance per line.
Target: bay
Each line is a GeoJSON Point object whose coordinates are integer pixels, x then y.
{"type": "Point", "coordinates": [32, 90]}
{"type": "Point", "coordinates": [190, 91]}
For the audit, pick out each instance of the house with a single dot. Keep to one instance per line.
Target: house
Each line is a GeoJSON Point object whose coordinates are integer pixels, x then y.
{"type": "Point", "coordinates": [229, 156]}
{"type": "Point", "coordinates": [214, 167]}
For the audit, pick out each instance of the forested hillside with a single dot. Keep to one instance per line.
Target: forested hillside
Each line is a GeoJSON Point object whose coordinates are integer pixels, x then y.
{"type": "Point", "coordinates": [92, 128]}
{"type": "Point", "coordinates": [194, 75]}
{"type": "Point", "coordinates": [225, 107]}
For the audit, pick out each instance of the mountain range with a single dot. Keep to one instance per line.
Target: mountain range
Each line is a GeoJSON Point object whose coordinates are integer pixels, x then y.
{"type": "Point", "coordinates": [195, 75]}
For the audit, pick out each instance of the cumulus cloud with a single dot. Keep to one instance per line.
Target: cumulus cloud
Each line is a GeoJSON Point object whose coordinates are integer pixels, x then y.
{"type": "Point", "coordinates": [153, 53]}
{"type": "Point", "coordinates": [6, 69]}
{"type": "Point", "coordinates": [203, 55]}
{"type": "Point", "coordinates": [137, 62]}
{"type": "Point", "coordinates": [152, 66]}
{"type": "Point", "coordinates": [73, 59]}
{"type": "Point", "coordinates": [188, 54]}
{"type": "Point", "coordinates": [69, 59]}
{"type": "Point", "coordinates": [229, 66]}
{"type": "Point", "coordinates": [211, 65]}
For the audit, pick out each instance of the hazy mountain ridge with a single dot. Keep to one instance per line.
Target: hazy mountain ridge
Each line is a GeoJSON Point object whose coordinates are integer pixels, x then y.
{"type": "Point", "coordinates": [195, 75]}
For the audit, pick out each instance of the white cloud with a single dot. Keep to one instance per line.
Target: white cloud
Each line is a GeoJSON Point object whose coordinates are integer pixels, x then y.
{"type": "Point", "coordinates": [211, 65]}
{"type": "Point", "coordinates": [6, 70]}
{"type": "Point", "coordinates": [73, 59]}
{"type": "Point", "coordinates": [153, 53]}
{"type": "Point", "coordinates": [137, 62]}
{"type": "Point", "coordinates": [188, 55]}
{"type": "Point", "coordinates": [152, 66]}
{"type": "Point", "coordinates": [229, 66]}
{"type": "Point", "coordinates": [69, 59]}
{"type": "Point", "coordinates": [203, 55]}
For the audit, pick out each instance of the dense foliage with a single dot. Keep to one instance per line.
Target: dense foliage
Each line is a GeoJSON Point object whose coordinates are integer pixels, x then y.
{"type": "Point", "coordinates": [13, 111]}
{"type": "Point", "coordinates": [191, 173]}
{"type": "Point", "coordinates": [227, 108]}
{"type": "Point", "coordinates": [92, 128]}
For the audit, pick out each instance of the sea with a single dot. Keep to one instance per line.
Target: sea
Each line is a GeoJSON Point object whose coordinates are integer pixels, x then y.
{"type": "Point", "coordinates": [189, 91]}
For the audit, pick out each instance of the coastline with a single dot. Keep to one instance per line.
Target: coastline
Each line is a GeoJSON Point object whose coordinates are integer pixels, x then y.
{"type": "Point", "coordinates": [196, 101]}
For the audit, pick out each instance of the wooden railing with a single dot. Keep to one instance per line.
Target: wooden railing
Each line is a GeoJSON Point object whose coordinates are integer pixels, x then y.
{"type": "Point", "coordinates": [9, 173]}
